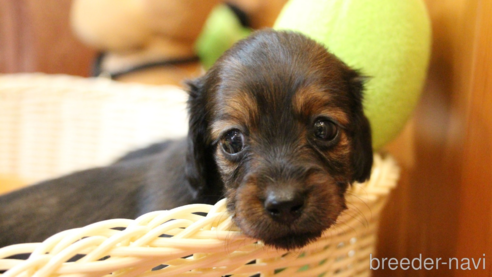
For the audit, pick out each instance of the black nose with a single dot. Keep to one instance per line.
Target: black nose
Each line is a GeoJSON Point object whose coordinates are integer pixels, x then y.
{"type": "Point", "coordinates": [284, 207]}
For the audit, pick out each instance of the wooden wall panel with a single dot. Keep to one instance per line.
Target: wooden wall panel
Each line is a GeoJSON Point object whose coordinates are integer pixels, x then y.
{"type": "Point", "coordinates": [475, 215]}
{"type": "Point", "coordinates": [35, 36]}
{"type": "Point", "coordinates": [440, 209]}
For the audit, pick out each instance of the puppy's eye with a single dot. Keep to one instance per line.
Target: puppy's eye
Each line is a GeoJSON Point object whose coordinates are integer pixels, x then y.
{"type": "Point", "coordinates": [325, 129]}
{"type": "Point", "coordinates": [232, 142]}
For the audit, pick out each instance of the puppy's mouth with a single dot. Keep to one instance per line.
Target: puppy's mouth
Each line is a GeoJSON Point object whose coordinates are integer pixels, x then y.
{"type": "Point", "coordinates": [281, 236]}
{"type": "Point", "coordinates": [293, 241]}
{"type": "Point", "coordinates": [281, 216]}
{"type": "Point", "coordinates": [255, 223]}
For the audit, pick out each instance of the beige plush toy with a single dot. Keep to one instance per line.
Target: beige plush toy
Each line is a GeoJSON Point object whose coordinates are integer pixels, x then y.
{"type": "Point", "coordinates": [145, 41]}
{"type": "Point", "coordinates": [153, 41]}
{"type": "Point", "coordinates": [261, 13]}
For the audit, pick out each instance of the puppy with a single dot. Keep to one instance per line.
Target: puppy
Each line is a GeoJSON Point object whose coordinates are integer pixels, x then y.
{"type": "Point", "coordinates": [276, 126]}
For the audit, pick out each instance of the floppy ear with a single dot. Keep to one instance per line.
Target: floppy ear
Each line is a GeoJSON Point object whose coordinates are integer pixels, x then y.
{"type": "Point", "coordinates": [201, 169]}
{"type": "Point", "coordinates": [362, 156]}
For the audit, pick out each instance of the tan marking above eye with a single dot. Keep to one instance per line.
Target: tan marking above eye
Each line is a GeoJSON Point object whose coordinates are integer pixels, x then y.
{"type": "Point", "coordinates": [308, 99]}
{"type": "Point", "coordinates": [336, 114]}
{"type": "Point", "coordinates": [239, 105]}
{"type": "Point", "coordinates": [218, 127]}
{"type": "Point", "coordinates": [309, 102]}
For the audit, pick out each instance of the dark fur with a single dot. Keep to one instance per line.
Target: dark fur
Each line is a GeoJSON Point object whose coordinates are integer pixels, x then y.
{"type": "Point", "coordinates": [255, 86]}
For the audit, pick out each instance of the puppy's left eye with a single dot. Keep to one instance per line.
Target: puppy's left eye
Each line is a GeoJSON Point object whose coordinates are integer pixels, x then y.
{"type": "Point", "coordinates": [232, 142]}
{"type": "Point", "coordinates": [325, 130]}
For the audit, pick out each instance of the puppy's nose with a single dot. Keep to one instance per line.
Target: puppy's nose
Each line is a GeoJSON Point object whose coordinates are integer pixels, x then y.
{"type": "Point", "coordinates": [284, 207]}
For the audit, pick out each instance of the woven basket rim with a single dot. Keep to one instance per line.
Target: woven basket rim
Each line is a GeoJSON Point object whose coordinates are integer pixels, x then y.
{"type": "Point", "coordinates": [138, 248]}
{"type": "Point", "coordinates": [195, 245]}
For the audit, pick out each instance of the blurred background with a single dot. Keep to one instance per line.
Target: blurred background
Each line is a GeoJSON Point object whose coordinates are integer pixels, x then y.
{"type": "Point", "coordinates": [441, 207]}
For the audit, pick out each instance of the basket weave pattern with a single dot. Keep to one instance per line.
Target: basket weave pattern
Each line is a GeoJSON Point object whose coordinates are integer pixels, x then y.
{"type": "Point", "coordinates": [54, 124]}
{"type": "Point", "coordinates": [196, 245]}
{"type": "Point", "coordinates": [193, 240]}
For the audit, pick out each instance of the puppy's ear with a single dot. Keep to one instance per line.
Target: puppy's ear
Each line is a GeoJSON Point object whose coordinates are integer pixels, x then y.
{"type": "Point", "coordinates": [200, 165]}
{"type": "Point", "coordinates": [362, 156]}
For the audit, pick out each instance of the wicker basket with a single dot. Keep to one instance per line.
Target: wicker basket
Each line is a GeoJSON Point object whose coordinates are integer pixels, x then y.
{"type": "Point", "coordinates": [52, 125]}
{"type": "Point", "coordinates": [200, 240]}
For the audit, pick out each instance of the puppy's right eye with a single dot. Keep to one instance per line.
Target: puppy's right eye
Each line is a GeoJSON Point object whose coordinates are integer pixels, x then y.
{"type": "Point", "coordinates": [232, 142]}
{"type": "Point", "coordinates": [325, 130]}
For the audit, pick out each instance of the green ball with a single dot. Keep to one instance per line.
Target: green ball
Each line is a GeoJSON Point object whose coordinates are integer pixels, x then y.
{"type": "Point", "coordinates": [386, 40]}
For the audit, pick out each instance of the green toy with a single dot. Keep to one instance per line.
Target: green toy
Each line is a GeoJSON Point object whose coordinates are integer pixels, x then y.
{"type": "Point", "coordinates": [387, 40]}
{"type": "Point", "coordinates": [220, 32]}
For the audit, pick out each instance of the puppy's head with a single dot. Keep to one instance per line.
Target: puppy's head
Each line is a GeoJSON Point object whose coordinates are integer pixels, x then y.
{"type": "Point", "coordinates": [278, 122]}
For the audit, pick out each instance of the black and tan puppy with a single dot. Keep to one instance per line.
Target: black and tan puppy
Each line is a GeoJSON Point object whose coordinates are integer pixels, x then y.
{"type": "Point", "coordinates": [276, 126]}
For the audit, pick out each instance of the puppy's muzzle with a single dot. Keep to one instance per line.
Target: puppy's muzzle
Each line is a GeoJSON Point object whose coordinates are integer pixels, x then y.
{"type": "Point", "coordinates": [284, 204]}
{"type": "Point", "coordinates": [285, 195]}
